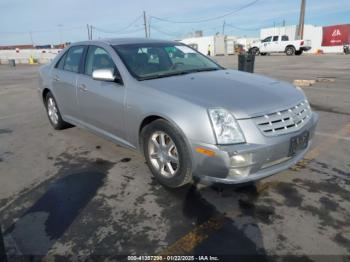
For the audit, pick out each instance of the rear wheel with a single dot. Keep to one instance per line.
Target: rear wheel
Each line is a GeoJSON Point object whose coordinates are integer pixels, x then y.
{"type": "Point", "coordinates": [54, 113]}
{"type": "Point", "coordinates": [290, 50]}
{"type": "Point", "coordinates": [166, 154]}
{"type": "Point", "coordinates": [300, 52]}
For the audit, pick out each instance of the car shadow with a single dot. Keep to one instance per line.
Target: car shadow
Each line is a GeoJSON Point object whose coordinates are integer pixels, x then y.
{"type": "Point", "coordinates": [215, 232]}
{"type": "Point", "coordinates": [57, 203]}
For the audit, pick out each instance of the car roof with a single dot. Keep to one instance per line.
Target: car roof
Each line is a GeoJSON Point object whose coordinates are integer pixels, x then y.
{"type": "Point", "coordinates": [125, 41]}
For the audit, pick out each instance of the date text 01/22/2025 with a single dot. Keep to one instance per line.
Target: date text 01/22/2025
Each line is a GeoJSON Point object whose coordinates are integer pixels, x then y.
{"type": "Point", "coordinates": [173, 258]}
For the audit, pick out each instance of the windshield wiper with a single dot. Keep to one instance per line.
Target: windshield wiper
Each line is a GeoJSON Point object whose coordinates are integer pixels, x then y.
{"type": "Point", "coordinates": [164, 75]}
{"type": "Point", "coordinates": [178, 73]}
{"type": "Point", "coordinates": [206, 69]}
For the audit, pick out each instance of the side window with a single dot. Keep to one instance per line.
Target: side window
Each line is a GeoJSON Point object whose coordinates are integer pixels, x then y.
{"type": "Point", "coordinates": [60, 63]}
{"type": "Point", "coordinates": [73, 59]}
{"type": "Point", "coordinates": [285, 38]}
{"type": "Point", "coordinates": [98, 58]}
{"type": "Point", "coordinates": [267, 39]}
{"type": "Point", "coordinates": [275, 38]}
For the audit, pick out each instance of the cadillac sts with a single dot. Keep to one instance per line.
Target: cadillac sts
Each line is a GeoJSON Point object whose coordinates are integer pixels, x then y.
{"type": "Point", "coordinates": [190, 117]}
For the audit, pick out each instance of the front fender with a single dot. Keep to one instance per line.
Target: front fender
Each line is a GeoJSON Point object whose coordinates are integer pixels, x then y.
{"type": "Point", "coordinates": [190, 119]}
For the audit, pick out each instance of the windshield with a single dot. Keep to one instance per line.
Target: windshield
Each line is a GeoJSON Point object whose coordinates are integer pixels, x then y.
{"type": "Point", "coordinates": [154, 60]}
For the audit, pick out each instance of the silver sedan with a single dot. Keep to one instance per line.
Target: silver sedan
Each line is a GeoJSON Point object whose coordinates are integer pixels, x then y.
{"type": "Point", "coordinates": [189, 116]}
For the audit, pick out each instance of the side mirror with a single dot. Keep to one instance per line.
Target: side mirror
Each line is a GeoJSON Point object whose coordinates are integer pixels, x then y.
{"type": "Point", "coordinates": [104, 75]}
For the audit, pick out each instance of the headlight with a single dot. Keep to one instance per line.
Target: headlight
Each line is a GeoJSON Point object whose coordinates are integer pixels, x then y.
{"type": "Point", "coordinates": [226, 128]}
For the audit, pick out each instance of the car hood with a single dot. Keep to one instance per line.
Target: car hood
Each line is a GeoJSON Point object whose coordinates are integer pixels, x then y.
{"type": "Point", "coordinates": [245, 95]}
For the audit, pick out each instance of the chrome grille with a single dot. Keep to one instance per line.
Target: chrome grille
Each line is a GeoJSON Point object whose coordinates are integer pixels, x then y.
{"type": "Point", "coordinates": [285, 121]}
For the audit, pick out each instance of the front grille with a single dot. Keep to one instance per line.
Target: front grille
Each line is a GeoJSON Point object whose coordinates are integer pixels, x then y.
{"type": "Point", "coordinates": [285, 121]}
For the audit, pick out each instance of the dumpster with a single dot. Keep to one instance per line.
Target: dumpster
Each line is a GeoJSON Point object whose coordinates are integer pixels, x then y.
{"type": "Point", "coordinates": [246, 62]}
{"type": "Point", "coordinates": [12, 62]}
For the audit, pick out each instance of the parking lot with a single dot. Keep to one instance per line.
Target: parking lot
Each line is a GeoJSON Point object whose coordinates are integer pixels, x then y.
{"type": "Point", "coordinates": [73, 193]}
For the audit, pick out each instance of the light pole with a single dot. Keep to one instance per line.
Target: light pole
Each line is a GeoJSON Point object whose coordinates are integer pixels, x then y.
{"type": "Point", "coordinates": [60, 32]}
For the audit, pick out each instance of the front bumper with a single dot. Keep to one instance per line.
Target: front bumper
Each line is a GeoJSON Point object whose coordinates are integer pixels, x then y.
{"type": "Point", "coordinates": [267, 155]}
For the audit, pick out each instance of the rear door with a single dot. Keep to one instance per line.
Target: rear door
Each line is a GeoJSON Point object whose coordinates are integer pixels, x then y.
{"type": "Point", "coordinates": [101, 103]}
{"type": "Point", "coordinates": [64, 81]}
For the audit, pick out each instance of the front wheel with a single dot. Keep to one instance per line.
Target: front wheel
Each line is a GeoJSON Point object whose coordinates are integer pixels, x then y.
{"type": "Point", "coordinates": [167, 154]}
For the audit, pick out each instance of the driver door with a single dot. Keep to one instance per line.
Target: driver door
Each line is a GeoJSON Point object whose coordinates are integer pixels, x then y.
{"type": "Point", "coordinates": [101, 103]}
{"type": "Point", "coordinates": [266, 45]}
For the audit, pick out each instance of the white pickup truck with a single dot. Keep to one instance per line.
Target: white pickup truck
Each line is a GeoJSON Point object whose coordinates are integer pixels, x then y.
{"type": "Point", "coordinates": [280, 44]}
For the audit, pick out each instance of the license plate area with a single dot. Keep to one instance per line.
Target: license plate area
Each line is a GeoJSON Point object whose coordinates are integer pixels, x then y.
{"type": "Point", "coordinates": [298, 143]}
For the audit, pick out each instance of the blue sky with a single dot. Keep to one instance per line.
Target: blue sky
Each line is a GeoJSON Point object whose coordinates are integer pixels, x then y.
{"type": "Point", "coordinates": [49, 21]}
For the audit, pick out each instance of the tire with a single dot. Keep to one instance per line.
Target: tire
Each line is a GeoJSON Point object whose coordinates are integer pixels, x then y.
{"type": "Point", "coordinates": [263, 54]}
{"type": "Point", "coordinates": [151, 135]}
{"type": "Point", "coordinates": [290, 50]}
{"type": "Point", "coordinates": [300, 52]}
{"type": "Point", "coordinates": [53, 113]}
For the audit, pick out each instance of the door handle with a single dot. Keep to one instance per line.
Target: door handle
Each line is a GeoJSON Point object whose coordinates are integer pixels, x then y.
{"type": "Point", "coordinates": [83, 88]}
{"type": "Point", "coordinates": [56, 78]}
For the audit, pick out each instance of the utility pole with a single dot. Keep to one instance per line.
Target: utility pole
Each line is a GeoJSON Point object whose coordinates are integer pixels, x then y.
{"type": "Point", "coordinates": [31, 37]}
{"type": "Point", "coordinates": [300, 30]}
{"type": "Point", "coordinates": [88, 31]}
{"type": "Point", "coordinates": [149, 27]}
{"type": "Point", "coordinates": [91, 31]}
{"type": "Point", "coordinates": [223, 27]}
{"type": "Point", "coordinates": [145, 23]}
{"type": "Point", "coordinates": [60, 31]}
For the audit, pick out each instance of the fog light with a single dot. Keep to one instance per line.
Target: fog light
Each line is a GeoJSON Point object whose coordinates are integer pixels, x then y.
{"type": "Point", "coordinates": [241, 160]}
{"type": "Point", "coordinates": [239, 172]}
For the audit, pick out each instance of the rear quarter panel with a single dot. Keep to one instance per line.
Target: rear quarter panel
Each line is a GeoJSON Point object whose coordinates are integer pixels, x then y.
{"type": "Point", "coordinates": [44, 79]}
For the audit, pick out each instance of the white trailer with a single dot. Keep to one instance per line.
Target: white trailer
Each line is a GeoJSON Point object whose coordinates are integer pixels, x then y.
{"type": "Point", "coordinates": [217, 44]}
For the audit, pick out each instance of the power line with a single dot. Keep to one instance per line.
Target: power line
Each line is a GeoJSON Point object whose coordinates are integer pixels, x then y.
{"type": "Point", "coordinates": [208, 19]}
{"type": "Point", "coordinates": [71, 28]}
{"type": "Point", "coordinates": [243, 29]}
{"type": "Point", "coordinates": [120, 33]}
{"type": "Point", "coordinates": [43, 31]}
{"type": "Point", "coordinates": [163, 32]}
{"type": "Point", "coordinates": [121, 29]}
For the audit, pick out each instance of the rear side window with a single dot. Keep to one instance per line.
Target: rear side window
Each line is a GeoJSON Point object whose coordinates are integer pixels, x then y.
{"type": "Point", "coordinates": [275, 38]}
{"type": "Point", "coordinates": [73, 59]}
{"type": "Point", "coordinates": [98, 58]}
{"type": "Point", "coordinates": [285, 38]}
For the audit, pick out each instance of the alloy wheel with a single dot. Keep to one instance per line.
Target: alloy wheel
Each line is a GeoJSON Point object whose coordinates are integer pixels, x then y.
{"type": "Point", "coordinates": [163, 154]}
{"type": "Point", "coordinates": [52, 110]}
